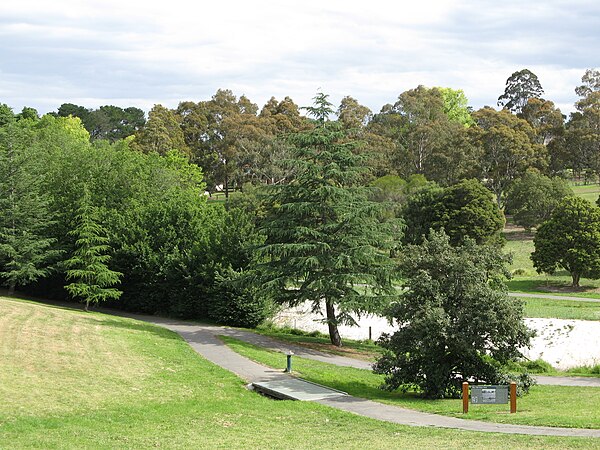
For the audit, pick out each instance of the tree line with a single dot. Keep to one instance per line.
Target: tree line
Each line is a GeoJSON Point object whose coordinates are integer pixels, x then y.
{"type": "Point", "coordinates": [336, 207]}
{"type": "Point", "coordinates": [427, 131]}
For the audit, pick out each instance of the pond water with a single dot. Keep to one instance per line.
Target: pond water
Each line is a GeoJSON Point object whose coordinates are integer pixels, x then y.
{"type": "Point", "coordinates": [562, 343]}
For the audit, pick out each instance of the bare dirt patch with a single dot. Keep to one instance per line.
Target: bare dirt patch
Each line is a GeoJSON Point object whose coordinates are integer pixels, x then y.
{"type": "Point", "coordinates": [514, 232]}
{"type": "Point", "coordinates": [340, 351]}
{"type": "Point", "coordinates": [556, 289]}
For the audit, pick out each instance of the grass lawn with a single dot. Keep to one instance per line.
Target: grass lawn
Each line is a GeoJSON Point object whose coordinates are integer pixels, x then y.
{"type": "Point", "coordinates": [558, 284]}
{"type": "Point", "coordinates": [587, 191]}
{"type": "Point", "coordinates": [545, 405]}
{"type": "Point", "coordinates": [561, 309]}
{"type": "Point", "coordinates": [75, 380]}
{"type": "Point", "coordinates": [526, 279]}
{"type": "Point", "coordinates": [365, 350]}
{"type": "Point", "coordinates": [521, 247]}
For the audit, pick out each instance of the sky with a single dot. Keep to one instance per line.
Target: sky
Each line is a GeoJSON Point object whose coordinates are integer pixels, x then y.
{"type": "Point", "coordinates": [140, 53]}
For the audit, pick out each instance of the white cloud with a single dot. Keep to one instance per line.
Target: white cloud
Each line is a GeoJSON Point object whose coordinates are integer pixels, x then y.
{"type": "Point", "coordinates": [144, 52]}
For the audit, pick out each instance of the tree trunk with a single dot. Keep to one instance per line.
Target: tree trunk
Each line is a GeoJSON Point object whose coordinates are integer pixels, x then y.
{"type": "Point", "coordinates": [11, 288]}
{"type": "Point", "coordinates": [334, 334]}
{"type": "Point", "coordinates": [575, 277]}
{"type": "Point", "coordinates": [226, 182]}
{"type": "Point", "coordinates": [87, 305]}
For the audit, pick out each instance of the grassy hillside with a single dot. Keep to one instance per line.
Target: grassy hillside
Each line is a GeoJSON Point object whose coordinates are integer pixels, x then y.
{"type": "Point", "coordinates": [70, 379]}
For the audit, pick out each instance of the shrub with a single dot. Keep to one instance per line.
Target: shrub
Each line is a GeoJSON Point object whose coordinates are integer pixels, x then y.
{"type": "Point", "coordinates": [538, 366]}
{"type": "Point", "coordinates": [524, 381]}
{"type": "Point", "coordinates": [455, 320]}
{"type": "Point", "coordinates": [588, 370]}
{"type": "Point", "coordinates": [237, 305]}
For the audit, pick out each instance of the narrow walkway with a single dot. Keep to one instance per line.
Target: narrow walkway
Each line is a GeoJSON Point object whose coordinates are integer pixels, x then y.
{"type": "Point", "coordinates": [554, 297]}
{"type": "Point", "coordinates": [303, 352]}
{"type": "Point", "coordinates": [203, 339]}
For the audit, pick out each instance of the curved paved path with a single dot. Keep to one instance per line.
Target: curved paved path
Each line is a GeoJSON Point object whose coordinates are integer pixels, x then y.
{"type": "Point", "coordinates": [203, 339]}
{"type": "Point", "coordinates": [275, 345]}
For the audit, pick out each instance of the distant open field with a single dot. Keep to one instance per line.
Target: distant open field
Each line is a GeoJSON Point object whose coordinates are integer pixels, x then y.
{"type": "Point", "coordinates": [588, 191]}
{"type": "Point", "coordinates": [519, 243]}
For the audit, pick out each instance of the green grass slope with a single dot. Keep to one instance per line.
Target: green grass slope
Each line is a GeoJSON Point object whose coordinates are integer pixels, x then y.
{"type": "Point", "coordinates": [74, 380]}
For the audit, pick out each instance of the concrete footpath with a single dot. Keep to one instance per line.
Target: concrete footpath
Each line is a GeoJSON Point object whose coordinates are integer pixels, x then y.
{"type": "Point", "coordinates": [303, 352]}
{"type": "Point", "coordinates": [203, 339]}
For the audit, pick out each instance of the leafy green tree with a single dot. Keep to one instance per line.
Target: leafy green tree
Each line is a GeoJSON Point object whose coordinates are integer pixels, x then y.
{"type": "Point", "coordinates": [421, 213]}
{"type": "Point", "coordinates": [161, 133]}
{"type": "Point", "coordinates": [424, 126]}
{"type": "Point", "coordinates": [70, 109]}
{"type": "Point", "coordinates": [582, 138]}
{"type": "Point", "coordinates": [456, 106]}
{"type": "Point", "coordinates": [468, 210]}
{"type": "Point", "coordinates": [455, 320]}
{"type": "Point", "coordinates": [93, 281]}
{"type": "Point", "coordinates": [257, 143]}
{"type": "Point", "coordinates": [352, 114]}
{"type": "Point", "coordinates": [28, 113]}
{"type": "Point", "coordinates": [590, 83]}
{"type": "Point", "coordinates": [377, 149]}
{"type": "Point", "coordinates": [570, 240]}
{"type": "Point", "coordinates": [324, 240]}
{"type": "Point", "coordinates": [507, 146]}
{"type": "Point", "coordinates": [284, 116]}
{"type": "Point", "coordinates": [221, 133]}
{"type": "Point", "coordinates": [464, 210]}
{"type": "Point", "coordinates": [26, 247]}
{"type": "Point", "coordinates": [107, 122]}
{"type": "Point", "coordinates": [545, 118]}
{"type": "Point", "coordinates": [532, 198]}
{"type": "Point", "coordinates": [389, 188]}
{"type": "Point", "coordinates": [520, 87]}
{"type": "Point", "coordinates": [113, 122]}
{"type": "Point", "coordinates": [425, 139]}
{"type": "Point", "coordinates": [6, 114]}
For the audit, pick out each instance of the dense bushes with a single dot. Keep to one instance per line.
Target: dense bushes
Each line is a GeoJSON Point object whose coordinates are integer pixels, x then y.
{"type": "Point", "coordinates": [235, 303]}
{"type": "Point", "coordinates": [455, 320]}
{"type": "Point", "coordinates": [464, 210]}
{"type": "Point", "coordinates": [163, 235]}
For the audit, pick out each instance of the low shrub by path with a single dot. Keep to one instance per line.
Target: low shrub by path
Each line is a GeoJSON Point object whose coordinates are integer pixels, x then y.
{"type": "Point", "coordinates": [73, 380]}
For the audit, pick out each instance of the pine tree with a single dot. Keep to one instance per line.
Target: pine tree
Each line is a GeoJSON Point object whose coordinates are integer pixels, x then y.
{"type": "Point", "coordinates": [26, 250]}
{"type": "Point", "coordinates": [325, 242]}
{"type": "Point", "coordinates": [93, 280]}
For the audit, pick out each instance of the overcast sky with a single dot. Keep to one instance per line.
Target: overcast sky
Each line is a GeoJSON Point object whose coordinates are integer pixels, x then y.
{"type": "Point", "coordinates": [138, 53]}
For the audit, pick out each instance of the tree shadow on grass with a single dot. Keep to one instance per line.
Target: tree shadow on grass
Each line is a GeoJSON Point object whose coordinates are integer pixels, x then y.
{"type": "Point", "coordinates": [548, 285]}
{"type": "Point", "coordinates": [54, 304]}
{"type": "Point", "coordinates": [135, 326]}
